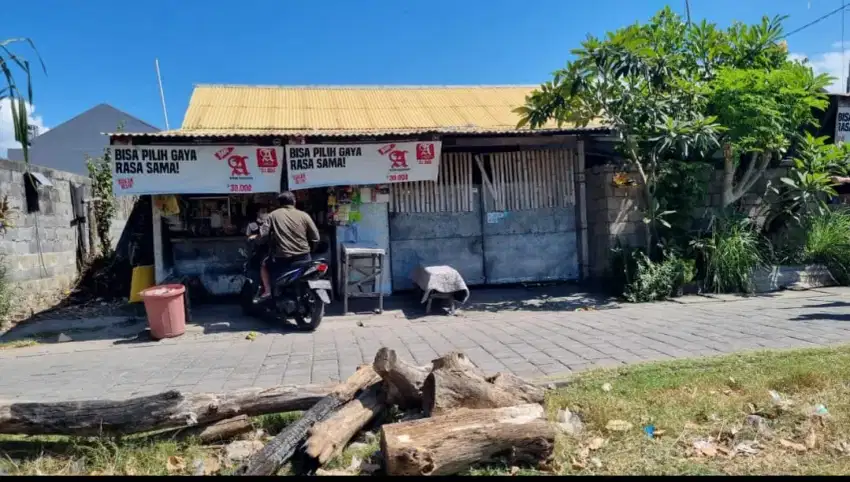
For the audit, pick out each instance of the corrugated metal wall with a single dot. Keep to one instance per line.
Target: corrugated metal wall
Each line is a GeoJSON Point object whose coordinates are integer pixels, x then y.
{"type": "Point", "coordinates": [530, 228]}
{"type": "Point", "coordinates": [518, 225]}
{"type": "Point", "coordinates": [432, 239]}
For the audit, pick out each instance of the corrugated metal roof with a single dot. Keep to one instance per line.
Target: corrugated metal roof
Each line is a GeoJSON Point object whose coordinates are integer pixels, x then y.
{"type": "Point", "coordinates": [228, 110]}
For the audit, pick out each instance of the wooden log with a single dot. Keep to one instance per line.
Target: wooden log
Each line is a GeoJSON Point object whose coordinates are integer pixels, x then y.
{"type": "Point", "coordinates": [170, 409]}
{"type": "Point", "coordinates": [269, 460]}
{"type": "Point", "coordinates": [218, 431]}
{"type": "Point", "coordinates": [404, 381]}
{"type": "Point", "coordinates": [454, 382]}
{"type": "Point", "coordinates": [520, 388]}
{"type": "Point", "coordinates": [451, 443]}
{"type": "Point", "coordinates": [328, 438]}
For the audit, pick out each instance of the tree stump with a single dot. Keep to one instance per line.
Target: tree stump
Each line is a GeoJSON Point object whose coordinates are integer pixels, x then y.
{"type": "Point", "coordinates": [518, 387]}
{"type": "Point", "coordinates": [404, 381]}
{"type": "Point", "coordinates": [269, 460]}
{"type": "Point", "coordinates": [455, 382]}
{"type": "Point", "coordinates": [448, 444]}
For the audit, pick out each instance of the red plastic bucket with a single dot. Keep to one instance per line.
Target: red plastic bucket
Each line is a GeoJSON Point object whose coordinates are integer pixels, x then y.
{"type": "Point", "coordinates": [165, 310]}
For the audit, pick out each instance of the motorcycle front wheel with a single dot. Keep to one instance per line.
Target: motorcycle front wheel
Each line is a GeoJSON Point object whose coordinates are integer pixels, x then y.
{"type": "Point", "coordinates": [246, 298]}
{"type": "Point", "coordinates": [316, 309]}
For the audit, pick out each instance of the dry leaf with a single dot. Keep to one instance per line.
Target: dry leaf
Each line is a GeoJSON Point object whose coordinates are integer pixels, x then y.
{"type": "Point", "coordinates": [514, 470]}
{"type": "Point", "coordinates": [692, 426]}
{"type": "Point", "coordinates": [811, 439]}
{"type": "Point", "coordinates": [596, 462]}
{"type": "Point", "coordinates": [747, 447]}
{"type": "Point", "coordinates": [175, 464]}
{"type": "Point", "coordinates": [705, 448]}
{"type": "Point", "coordinates": [577, 465]}
{"type": "Point", "coordinates": [723, 450]}
{"type": "Point", "coordinates": [332, 472]}
{"type": "Point", "coordinates": [658, 432]}
{"type": "Point", "coordinates": [618, 426]}
{"type": "Point", "coordinates": [606, 387]}
{"type": "Point", "coordinates": [792, 445]}
{"type": "Point", "coordinates": [129, 470]}
{"type": "Point", "coordinates": [596, 443]}
{"type": "Point", "coordinates": [584, 453]}
{"type": "Point", "coordinates": [212, 465]}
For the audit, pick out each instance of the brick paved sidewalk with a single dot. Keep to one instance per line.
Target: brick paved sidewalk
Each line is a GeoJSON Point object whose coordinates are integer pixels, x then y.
{"type": "Point", "coordinates": [528, 343]}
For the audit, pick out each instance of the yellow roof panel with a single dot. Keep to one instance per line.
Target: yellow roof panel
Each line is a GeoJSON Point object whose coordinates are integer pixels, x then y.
{"type": "Point", "coordinates": [351, 110]}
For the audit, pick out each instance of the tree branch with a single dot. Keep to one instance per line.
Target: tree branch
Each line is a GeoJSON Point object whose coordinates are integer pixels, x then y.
{"type": "Point", "coordinates": [752, 176]}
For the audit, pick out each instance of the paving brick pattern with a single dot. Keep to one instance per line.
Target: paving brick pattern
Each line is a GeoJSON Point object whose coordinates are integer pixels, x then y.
{"type": "Point", "coordinates": [530, 344]}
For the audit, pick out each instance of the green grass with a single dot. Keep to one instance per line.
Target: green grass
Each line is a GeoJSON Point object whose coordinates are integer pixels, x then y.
{"type": "Point", "coordinates": [97, 456]}
{"type": "Point", "coordinates": [7, 345]}
{"type": "Point", "coordinates": [710, 399]}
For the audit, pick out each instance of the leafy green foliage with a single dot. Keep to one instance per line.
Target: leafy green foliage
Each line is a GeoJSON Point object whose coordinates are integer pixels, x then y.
{"type": "Point", "coordinates": [100, 173]}
{"type": "Point", "coordinates": [763, 110]}
{"type": "Point", "coordinates": [639, 279]}
{"type": "Point", "coordinates": [827, 241]}
{"type": "Point", "coordinates": [675, 91]}
{"type": "Point", "coordinates": [5, 294]}
{"type": "Point", "coordinates": [810, 182]}
{"type": "Point", "coordinates": [728, 255]}
{"type": "Point", "coordinates": [19, 97]}
{"type": "Point", "coordinates": [682, 189]}
{"type": "Point", "coordinates": [656, 281]}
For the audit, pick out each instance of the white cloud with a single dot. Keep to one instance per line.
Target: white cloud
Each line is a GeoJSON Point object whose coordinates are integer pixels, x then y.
{"type": "Point", "coordinates": [7, 129]}
{"type": "Point", "coordinates": [832, 63]}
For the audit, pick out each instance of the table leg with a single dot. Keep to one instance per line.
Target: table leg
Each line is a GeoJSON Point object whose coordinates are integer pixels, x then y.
{"type": "Point", "coordinates": [345, 285]}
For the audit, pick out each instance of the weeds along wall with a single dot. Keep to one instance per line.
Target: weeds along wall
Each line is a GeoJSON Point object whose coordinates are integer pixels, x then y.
{"type": "Point", "coordinates": [40, 249]}
{"type": "Point", "coordinates": [614, 213]}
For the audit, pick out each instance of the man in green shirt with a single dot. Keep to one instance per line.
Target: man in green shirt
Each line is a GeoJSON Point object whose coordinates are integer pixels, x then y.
{"type": "Point", "coordinates": [291, 234]}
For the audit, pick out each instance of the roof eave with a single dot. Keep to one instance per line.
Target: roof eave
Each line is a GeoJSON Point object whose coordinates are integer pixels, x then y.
{"type": "Point", "coordinates": [181, 134]}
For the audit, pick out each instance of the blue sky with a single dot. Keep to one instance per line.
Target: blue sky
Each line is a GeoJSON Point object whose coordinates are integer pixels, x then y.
{"type": "Point", "coordinates": [103, 51]}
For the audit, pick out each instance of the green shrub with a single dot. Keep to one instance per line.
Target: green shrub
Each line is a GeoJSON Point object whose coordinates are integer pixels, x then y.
{"type": "Point", "coordinates": [827, 241]}
{"type": "Point", "coordinates": [5, 295]}
{"type": "Point", "coordinates": [645, 280]}
{"type": "Point", "coordinates": [728, 255]}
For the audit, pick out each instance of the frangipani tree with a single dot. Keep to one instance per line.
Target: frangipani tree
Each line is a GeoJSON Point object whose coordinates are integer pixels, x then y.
{"type": "Point", "coordinates": [673, 90]}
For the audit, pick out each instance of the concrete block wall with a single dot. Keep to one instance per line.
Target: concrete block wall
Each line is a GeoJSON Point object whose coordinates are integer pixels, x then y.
{"type": "Point", "coordinates": [39, 250]}
{"type": "Point", "coordinates": [615, 213]}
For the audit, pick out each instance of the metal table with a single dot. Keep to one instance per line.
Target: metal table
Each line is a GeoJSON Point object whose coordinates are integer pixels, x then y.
{"type": "Point", "coordinates": [371, 274]}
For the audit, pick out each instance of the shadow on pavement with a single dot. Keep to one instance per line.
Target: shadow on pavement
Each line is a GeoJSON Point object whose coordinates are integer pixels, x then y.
{"type": "Point", "coordinates": [822, 317]}
{"type": "Point", "coordinates": [223, 315]}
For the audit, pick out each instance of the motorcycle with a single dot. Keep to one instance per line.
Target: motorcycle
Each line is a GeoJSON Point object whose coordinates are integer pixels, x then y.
{"type": "Point", "coordinates": [300, 292]}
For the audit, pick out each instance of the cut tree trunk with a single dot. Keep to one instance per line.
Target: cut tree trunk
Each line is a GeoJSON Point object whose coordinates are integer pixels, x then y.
{"type": "Point", "coordinates": [170, 409]}
{"type": "Point", "coordinates": [451, 443]}
{"type": "Point", "coordinates": [456, 383]}
{"type": "Point", "coordinates": [404, 381]}
{"type": "Point", "coordinates": [518, 387]}
{"type": "Point", "coordinates": [327, 439]}
{"type": "Point", "coordinates": [277, 452]}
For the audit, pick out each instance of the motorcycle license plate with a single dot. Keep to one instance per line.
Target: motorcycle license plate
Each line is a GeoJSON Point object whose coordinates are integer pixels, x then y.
{"type": "Point", "coordinates": [319, 284]}
{"type": "Point", "coordinates": [323, 295]}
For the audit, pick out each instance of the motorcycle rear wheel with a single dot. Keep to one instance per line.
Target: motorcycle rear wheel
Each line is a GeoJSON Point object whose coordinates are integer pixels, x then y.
{"type": "Point", "coordinates": [317, 312]}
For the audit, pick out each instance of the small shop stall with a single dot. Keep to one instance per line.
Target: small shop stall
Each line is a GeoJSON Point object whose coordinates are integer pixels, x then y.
{"type": "Point", "coordinates": [205, 196]}
{"type": "Point", "coordinates": [355, 180]}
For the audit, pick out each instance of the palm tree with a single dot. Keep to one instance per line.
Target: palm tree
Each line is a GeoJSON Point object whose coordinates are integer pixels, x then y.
{"type": "Point", "coordinates": [19, 98]}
